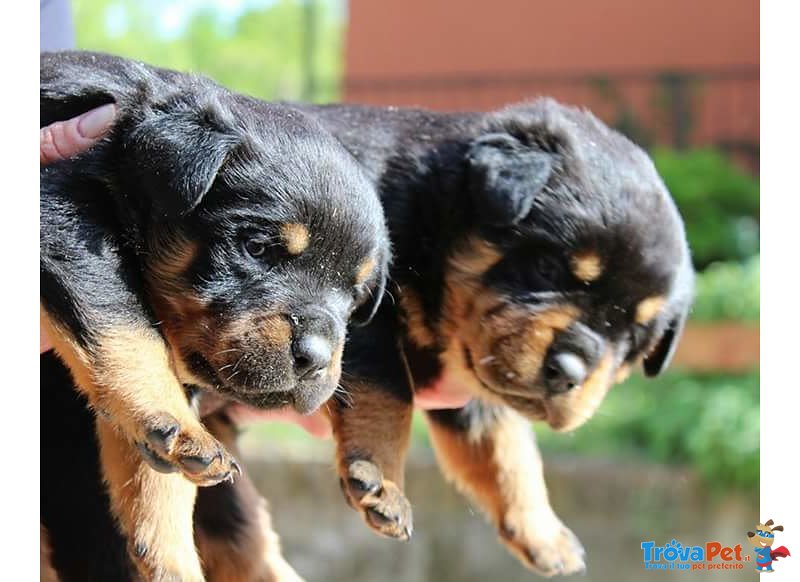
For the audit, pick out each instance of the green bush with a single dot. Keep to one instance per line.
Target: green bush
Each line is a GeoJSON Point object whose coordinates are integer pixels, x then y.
{"type": "Point", "coordinates": [728, 292]}
{"type": "Point", "coordinates": [718, 201]}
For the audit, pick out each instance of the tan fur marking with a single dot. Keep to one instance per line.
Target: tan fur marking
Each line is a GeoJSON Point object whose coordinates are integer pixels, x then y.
{"type": "Point", "coordinates": [500, 469]}
{"type": "Point", "coordinates": [469, 262]}
{"type": "Point", "coordinates": [649, 308]}
{"type": "Point", "coordinates": [168, 267]}
{"type": "Point", "coordinates": [154, 509]}
{"type": "Point", "coordinates": [474, 257]}
{"type": "Point", "coordinates": [365, 270]}
{"type": "Point", "coordinates": [586, 266]}
{"type": "Point", "coordinates": [128, 376]}
{"type": "Point", "coordinates": [277, 330]}
{"type": "Point", "coordinates": [255, 554]}
{"type": "Point", "coordinates": [377, 425]}
{"type": "Point", "coordinates": [335, 367]}
{"type": "Point", "coordinates": [538, 335]}
{"type": "Point", "coordinates": [622, 373]}
{"type": "Point", "coordinates": [415, 319]}
{"type": "Point", "coordinates": [295, 236]}
{"type": "Point", "coordinates": [570, 410]}
{"type": "Point", "coordinates": [46, 571]}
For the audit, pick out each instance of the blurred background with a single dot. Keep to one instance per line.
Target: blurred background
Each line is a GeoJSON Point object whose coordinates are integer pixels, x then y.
{"type": "Point", "coordinates": [676, 457]}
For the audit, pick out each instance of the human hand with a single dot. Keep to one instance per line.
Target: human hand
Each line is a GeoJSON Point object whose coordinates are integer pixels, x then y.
{"type": "Point", "coordinates": [64, 139]}
{"type": "Point", "coordinates": [436, 397]}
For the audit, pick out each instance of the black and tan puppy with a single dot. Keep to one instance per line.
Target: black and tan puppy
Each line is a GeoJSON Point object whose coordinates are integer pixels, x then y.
{"type": "Point", "coordinates": [210, 240]}
{"type": "Point", "coordinates": [538, 258]}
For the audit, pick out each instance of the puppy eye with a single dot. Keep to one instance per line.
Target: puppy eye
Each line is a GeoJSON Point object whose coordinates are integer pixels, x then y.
{"type": "Point", "coordinates": [255, 248]}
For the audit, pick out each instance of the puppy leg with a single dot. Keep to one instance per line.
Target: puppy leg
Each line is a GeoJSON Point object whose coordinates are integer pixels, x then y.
{"type": "Point", "coordinates": [126, 373]}
{"type": "Point", "coordinates": [371, 431]}
{"type": "Point", "coordinates": [153, 509]}
{"type": "Point", "coordinates": [233, 528]}
{"type": "Point", "coordinates": [489, 453]}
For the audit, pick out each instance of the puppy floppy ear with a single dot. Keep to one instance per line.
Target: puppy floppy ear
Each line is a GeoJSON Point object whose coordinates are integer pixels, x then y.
{"type": "Point", "coordinates": [659, 358]}
{"type": "Point", "coordinates": [505, 176]}
{"type": "Point", "coordinates": [178, 154]}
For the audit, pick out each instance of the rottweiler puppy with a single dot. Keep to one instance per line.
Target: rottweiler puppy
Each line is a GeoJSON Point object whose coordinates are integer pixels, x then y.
{"type": "Point", "coordinates": [538, 258]}
{"type": "Point", "coordinates": [209, 240]}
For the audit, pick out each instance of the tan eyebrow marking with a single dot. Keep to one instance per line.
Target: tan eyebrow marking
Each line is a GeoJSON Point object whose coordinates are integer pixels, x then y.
{"type": "Point", "coordinates": [295, 236]}
{"type": "Point", "coordinates": [586, 266]}
{"type": "Point", "coordinates": [365, 269]}
{"type": "Point", "coordinates": [649, 308]}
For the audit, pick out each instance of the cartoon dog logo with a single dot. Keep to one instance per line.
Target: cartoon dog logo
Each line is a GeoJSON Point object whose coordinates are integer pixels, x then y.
{"type": "Point", "coordinates": [762, 540]}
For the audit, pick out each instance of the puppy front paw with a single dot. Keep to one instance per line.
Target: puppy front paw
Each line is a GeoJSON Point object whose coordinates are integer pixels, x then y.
{"type": "Point", "coordinates": [381, 502]}
{"type": "Point", "coordinates": [169, 446]}
{"type": "Point", "coordinates": [544, 545]}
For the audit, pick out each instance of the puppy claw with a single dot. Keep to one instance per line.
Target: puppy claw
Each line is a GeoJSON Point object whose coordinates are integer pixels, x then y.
{"type": "Point", "coordinates": [381, 503]}
{"type": "Point", "coordinates": [168, 446]}
{"type": "Point", "coordinates": [559, 553]}
{"type": "Point", "coordinates": [408, 531]}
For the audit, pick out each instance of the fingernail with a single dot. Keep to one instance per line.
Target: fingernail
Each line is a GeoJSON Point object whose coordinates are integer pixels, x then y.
{"type": "Point", "coordinates": [94, 123]}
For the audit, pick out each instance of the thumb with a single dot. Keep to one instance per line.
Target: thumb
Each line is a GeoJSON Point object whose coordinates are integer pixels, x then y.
{"type": "Point", "coordinates": [64, 139]}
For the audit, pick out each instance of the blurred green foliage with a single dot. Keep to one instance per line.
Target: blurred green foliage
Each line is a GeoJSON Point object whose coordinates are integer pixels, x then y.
{"type": "Point", "coordinates": [258, 50]}
{"type": "Point", "coordinates": [718, 201]}
{"type": "Point", "coordinates": [729, 292]}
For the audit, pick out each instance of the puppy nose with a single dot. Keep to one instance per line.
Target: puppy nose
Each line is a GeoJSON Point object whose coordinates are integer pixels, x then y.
{"type": "Point", "coordinates": [564, 371]}
{"type": "Point", "coordinates": [312, 355]}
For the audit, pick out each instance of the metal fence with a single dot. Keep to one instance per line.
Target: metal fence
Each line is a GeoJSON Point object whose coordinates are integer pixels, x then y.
{"type": "Point", "coordinates": [712, 107]}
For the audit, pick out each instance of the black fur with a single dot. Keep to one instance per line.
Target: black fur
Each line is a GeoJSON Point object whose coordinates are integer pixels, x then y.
{"type": "Point", "coordinates": [538, 180]}
{"type": "Point", "coordinates": [189, 165]}
{"type": "Point", "coordinates": [188, 160]}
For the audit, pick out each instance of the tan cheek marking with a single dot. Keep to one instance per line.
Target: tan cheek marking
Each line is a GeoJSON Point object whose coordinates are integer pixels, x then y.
{"type": "Point", "coordinates": [277, 331]}
{"type": "Point", "coordinates": [578, 405]}
{"type": "Point", "coordinates": [365, 270]}
{"type": "Point", "coordinates": [415, 319]}
{"type": "Point", "coordinates": [623, 372]}
{"type": "Point", "coordinates": [335, 367]}
{"type": "Point", "coordinates": [172, 257]}
{"type": "Point", "coordinates": [466, 266]}
{"type": "Point", "coordinates": [295, 236]}
{"type": "Point", "coordinates": [474, 257]}
{"type": "Point", "coordinates": [648, 309]}
{"type": "Point", "coordinates": [587, 266]}
{"type": "Point", "coordinates": [539, 334]}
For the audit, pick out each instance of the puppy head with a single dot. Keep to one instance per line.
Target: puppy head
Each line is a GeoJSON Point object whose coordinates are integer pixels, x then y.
{"type": "Point", "coordinates": [575, 268]}
{"type": "Point", "coordinates": [266, 238]}
{"type": "Point", "coordinates": [258, 234]}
